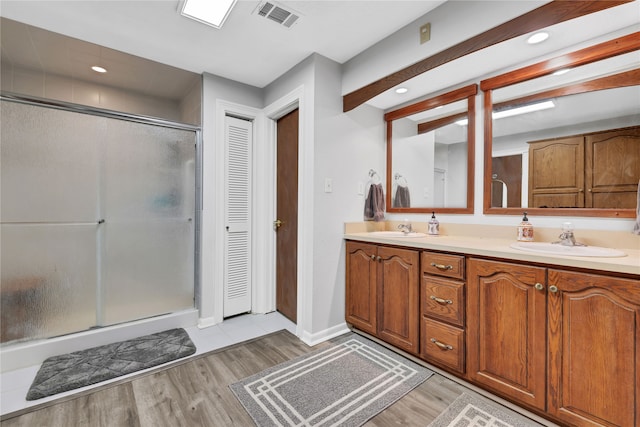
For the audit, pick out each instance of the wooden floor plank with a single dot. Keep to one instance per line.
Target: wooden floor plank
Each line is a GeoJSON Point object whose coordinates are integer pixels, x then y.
{"type": "Point", "coordinates": [196, 393]}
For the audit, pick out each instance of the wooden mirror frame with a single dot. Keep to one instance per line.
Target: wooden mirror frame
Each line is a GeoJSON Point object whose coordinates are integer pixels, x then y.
{"type": "Point", "coordinates": [618, 46]}
{"type": "Point", "coordinates": [469, 93]}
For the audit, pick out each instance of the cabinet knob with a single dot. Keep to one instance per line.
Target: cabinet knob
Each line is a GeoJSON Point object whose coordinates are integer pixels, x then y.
{"type": "Point", "coordinates": [553, 289]}
{"type": "Point", "coordinates": [539, 286]}
{"type": "Point", "coordinates": [443, 346]}
{"type": "Point", "coordinates": [441, 300]}
{"type": "Point", "coordinates": [373, 257]}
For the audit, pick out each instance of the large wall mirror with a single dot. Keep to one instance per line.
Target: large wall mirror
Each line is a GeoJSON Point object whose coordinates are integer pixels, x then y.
{"type": "Point", "coordinates": [562, 137]}
{"type": "Point", "coordinates": [430, 151]}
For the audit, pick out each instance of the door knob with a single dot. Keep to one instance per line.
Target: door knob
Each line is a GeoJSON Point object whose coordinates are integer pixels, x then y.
{"type": "Point", "coordinates": [277, 224]}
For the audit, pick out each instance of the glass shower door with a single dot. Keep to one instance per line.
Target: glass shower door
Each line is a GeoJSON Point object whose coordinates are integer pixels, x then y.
{"type": "Point", "coordinates": [149, 208]}
{"type": "Point", "coordinates": [97, 220]}
{"type": "Point", "coordinates": [49, 221]}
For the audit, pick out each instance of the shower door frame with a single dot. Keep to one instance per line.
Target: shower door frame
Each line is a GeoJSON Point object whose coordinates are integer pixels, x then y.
{"type": "Point", "coordinates": [147, 120]}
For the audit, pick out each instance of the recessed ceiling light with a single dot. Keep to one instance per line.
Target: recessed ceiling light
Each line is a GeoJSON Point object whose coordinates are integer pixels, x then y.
{"type": "Point", "coordinates": [538, 37]}
{"type": "Point", "coordinates": [208, 12]}
{"type": "Point", "coordinates": [402, 90]}
{"type": "Point", "coordinates": [99, 69]}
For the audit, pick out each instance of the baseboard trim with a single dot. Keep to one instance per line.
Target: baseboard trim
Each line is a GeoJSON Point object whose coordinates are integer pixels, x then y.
{"type": "Point", "coordinates": [322, 336]}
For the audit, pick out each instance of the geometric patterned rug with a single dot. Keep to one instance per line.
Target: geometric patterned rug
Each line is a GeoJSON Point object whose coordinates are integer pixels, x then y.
{"type": "Point", "coordinates": [471, 411]}
{"type": "Point", "coordinates": [342, 385]}
{"type": "Point", "coordinates": [82, 368]}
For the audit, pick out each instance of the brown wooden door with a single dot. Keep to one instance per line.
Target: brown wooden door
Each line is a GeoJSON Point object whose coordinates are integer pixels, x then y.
{"type": "Point", "coordinates": [594, 349]}
{"type": "Point", "coordinates": [506, 318]}
{"type": "Point", "coordinates": [361, 286]}
{"type": "Point", "coordinates": [399, 297]}
{"type": "Point", "coordinates": [507, 169]}
{"type": "Point", "coordinates": [287, 214]}
{"type": "Point", "coordinates": [556, 173]}
{"type": "Point", "coordinates": [612, 168]}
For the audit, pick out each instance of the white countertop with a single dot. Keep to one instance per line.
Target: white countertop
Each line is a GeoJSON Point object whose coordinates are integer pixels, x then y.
{"type": "Point", "coordinates": [499, 248]}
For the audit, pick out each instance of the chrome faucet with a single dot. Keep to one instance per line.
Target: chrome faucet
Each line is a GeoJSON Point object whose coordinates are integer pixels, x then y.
{"type": "Point", "coordinates": [566, 237]}
{"type": "Point", "coordinates": [405, 228]}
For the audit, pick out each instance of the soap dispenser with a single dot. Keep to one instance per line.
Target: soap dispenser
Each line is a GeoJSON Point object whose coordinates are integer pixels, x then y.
{"type": "Point", "coordinates": [434, 225]}
{"type": "Point", "coordinates": [525, 230]}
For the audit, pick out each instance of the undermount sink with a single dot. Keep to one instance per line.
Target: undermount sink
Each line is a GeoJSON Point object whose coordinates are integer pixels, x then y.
{"type": "Point", "coordinates": [398, 234]}
{"type": "Point", "coordinates": [558, 249]}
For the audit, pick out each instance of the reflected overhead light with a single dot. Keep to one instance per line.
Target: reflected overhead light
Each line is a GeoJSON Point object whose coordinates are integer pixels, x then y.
{"type": "Point", "coordinates": [530, 108]}
{"type": "Point", "coordinates": [99, 69]}
{"type": "Point", "coordinates": [402, 90]}
{"type": "Point", "coordinates": [538, 37]}
{"type": "Point", "coordinates": [208, 12]}
{"type": "Point", "coordinates": [561, 72]}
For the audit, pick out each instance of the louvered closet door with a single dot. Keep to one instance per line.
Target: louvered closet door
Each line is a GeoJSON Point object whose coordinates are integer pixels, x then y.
{"type": "Point", "coordinates": [237, 275]}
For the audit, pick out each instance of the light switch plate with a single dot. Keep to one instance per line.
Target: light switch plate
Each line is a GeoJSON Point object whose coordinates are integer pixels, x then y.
{"type": "Point", "coordinates": [328, 185]}
{"type": "Point", "coordinates": [425, 33]}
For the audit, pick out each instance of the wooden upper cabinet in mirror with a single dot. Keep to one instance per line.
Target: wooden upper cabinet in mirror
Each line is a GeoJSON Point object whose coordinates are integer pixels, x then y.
{"type": "Point", "coordinates": [565, 144]}
{"type": "Point", "coordinates": [430, 154]}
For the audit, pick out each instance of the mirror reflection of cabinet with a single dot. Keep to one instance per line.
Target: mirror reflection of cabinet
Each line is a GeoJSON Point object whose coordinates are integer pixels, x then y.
{"type": "Point", "coordinates": [598, 91]}
{"type": "Point", "coordinates": [596, 170]}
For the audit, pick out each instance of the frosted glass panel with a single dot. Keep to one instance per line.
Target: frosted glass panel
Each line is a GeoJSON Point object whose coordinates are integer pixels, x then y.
{"type": "Point", "coordinates": [150, 172]}
{"type": "Point", "coordinates": [48, 280]}
{"type": "Point", "coordinates": [49, 164]}
{"type": "Point", "coordinates": [97, 217]}
{"type": "Point", "coordinates": [148, 269]}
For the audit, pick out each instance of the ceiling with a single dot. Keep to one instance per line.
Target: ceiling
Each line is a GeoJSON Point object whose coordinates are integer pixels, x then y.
{"type": "Point", "coordinates": [248, 49]}
{"type": "Point", "coordinates": [251, 49]}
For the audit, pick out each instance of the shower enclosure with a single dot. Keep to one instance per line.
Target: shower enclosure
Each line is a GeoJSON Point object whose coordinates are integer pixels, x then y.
{"type": "Point", "coordinates": [98, 218]}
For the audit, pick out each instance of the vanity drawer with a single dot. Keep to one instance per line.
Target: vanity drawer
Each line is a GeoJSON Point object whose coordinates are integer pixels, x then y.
{"type": "Point", "coordinates": [442, 344]}
{"type": "Point", "coordinates": [443, 299]}
{"type": "Point", "coordinates": [443, 264]}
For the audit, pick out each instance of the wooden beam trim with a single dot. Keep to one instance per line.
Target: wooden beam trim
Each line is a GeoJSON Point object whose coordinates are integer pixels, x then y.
{"type": "Point", "coordinates": [549, 14]}
{"type": "Point", "coordinates": [608, 49]}
{"type": "Point", "coordinates": [428, 104]}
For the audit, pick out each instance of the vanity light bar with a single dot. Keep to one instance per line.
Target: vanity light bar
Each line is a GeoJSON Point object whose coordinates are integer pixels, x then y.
{"type": "Point", "coordinates": [530, 108]}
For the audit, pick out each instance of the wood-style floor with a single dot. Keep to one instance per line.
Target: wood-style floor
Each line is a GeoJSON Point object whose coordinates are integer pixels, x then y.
{"type": "Point", "coordinates": [195, 392]}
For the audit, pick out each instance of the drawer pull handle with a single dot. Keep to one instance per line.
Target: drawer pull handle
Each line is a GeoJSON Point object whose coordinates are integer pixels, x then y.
{"type": "Point", "coordinates": [441, 345]}
{"type": "Point", "coordinates": [442, 266]}
{"type": "Point", "coordinates": [441, 300]}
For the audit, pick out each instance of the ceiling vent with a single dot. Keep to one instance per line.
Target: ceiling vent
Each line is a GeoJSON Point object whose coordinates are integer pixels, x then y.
{"type": "Point", "coordinates": [277, 13]}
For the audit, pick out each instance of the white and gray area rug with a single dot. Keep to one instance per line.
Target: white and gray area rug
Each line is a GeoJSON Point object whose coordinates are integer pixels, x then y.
{"type": "Point", "coordinates": [81, 368]}
{"type": "Point", "coordinates": [344, 385]}
{"type": "Point", "coordinates": [471, 411]}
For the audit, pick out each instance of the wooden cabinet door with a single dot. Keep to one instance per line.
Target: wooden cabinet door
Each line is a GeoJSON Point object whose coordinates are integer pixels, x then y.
{"type": "Point", "coordinates": [506, 345]}
{"type": "Point", "coordinates": [556, 173]}
{"type": "Point", "coordinates": [361, 286]}
{"type": "Point", "coordinates": [594, 349]}
{"type": "Point", "coordinates": [399, 298]}
{"type": "Point", "coordinates": [612, 168]}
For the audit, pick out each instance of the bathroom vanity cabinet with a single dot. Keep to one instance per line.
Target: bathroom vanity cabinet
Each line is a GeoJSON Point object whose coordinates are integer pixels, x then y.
{"type": "Point", "coordinates": [560, 341]}
{"type": "Point", "coordinates": [563, 342]}
{"type": "Point", "coordinates": [382, 293]}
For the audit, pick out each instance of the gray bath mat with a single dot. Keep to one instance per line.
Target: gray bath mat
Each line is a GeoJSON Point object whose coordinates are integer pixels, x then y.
{"type": "Point", "coordinates": [82, 368]}
{"type": "Point", "coordinates": [344, 385]}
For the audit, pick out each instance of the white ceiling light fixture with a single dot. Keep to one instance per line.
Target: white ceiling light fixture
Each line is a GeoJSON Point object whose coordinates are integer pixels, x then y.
{"type": "Point", "coordinates": [538, 37]}
{"type": "Point", "coordinates": [208, 12]}
{"type": "Point", "coordinates": [402, 90]}
{"type": "Point", "coordinates": [530, 108]}
{"type": "Point", "coordinates": [99, 69]}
